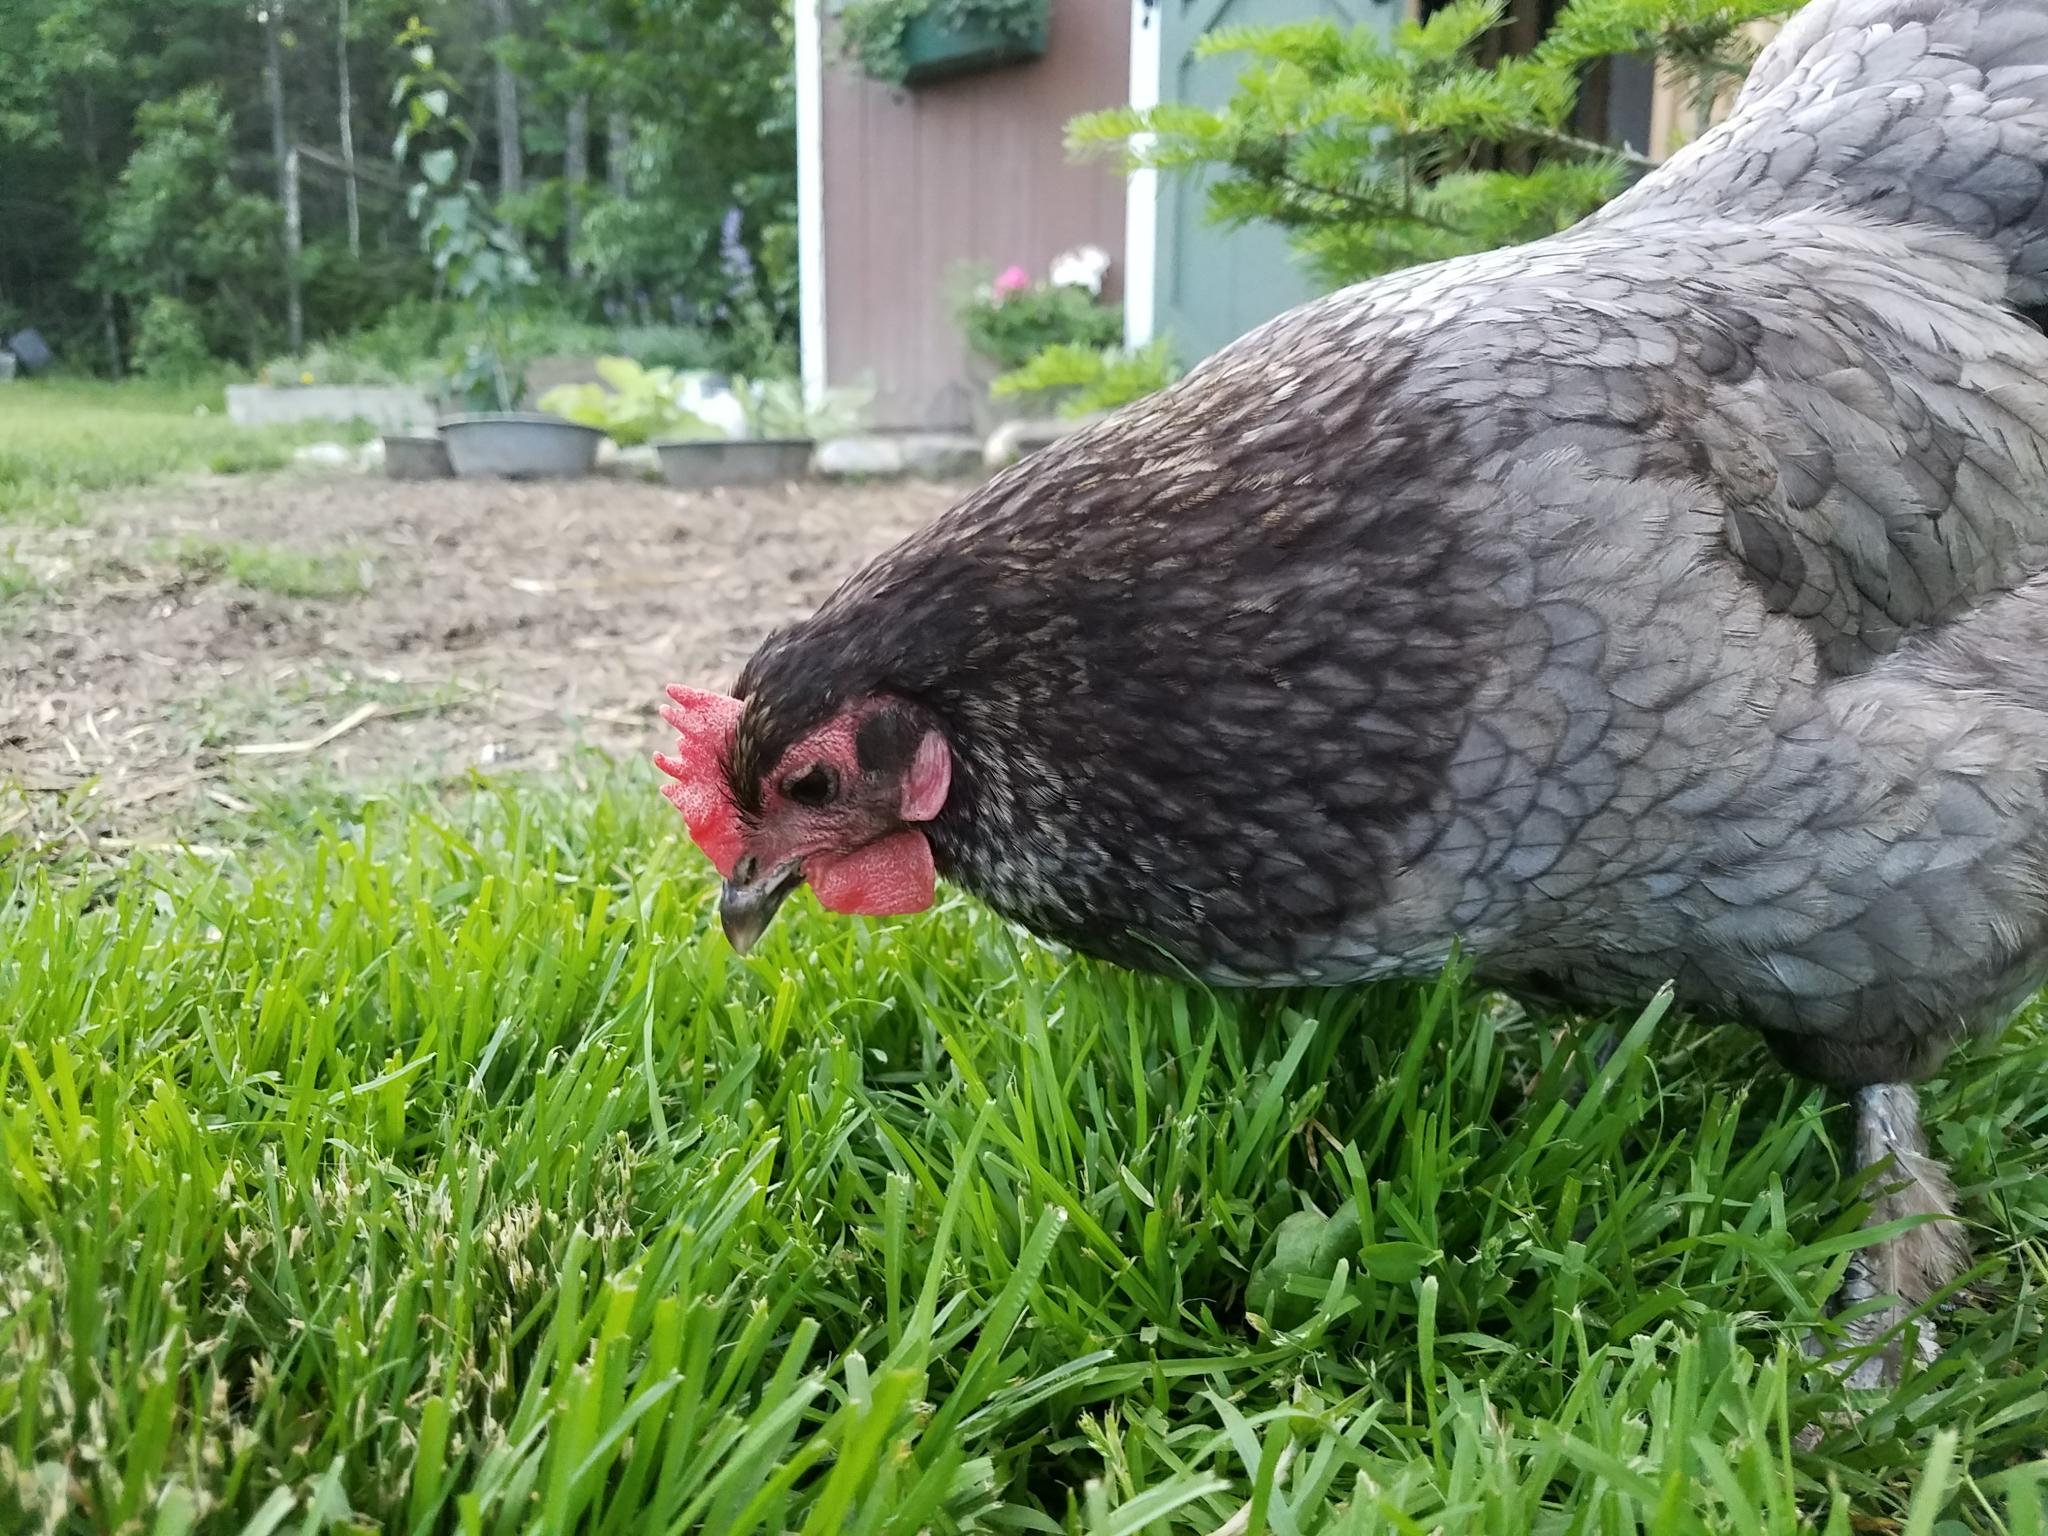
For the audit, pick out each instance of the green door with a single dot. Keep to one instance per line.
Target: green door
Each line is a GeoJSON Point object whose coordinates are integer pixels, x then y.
{"type": "Point", "coordinates": [1214, 284]}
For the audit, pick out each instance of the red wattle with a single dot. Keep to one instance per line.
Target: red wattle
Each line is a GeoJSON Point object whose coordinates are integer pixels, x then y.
{"type": "Point", "coordinates": [889, 877]}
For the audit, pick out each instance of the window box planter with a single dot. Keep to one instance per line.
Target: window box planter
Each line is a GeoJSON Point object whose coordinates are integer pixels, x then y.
{"type": "Point", "coordinates": [934, 50]}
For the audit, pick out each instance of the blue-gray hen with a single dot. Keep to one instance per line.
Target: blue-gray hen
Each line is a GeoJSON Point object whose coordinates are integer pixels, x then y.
{"type": "Point", "coordinates": [1659, 601]}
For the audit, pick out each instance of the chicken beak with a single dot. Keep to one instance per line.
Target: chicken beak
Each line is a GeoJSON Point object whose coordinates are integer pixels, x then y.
{"type": "Point", "coordinates": [750, 900]}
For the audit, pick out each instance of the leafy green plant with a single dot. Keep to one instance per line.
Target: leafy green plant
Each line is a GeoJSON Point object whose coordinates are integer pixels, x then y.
{"type": "Point", "coordinates": [1376, 153]}
{"type": "Point", "coordinates": [1083, 380]}
{"type": "Point", "coordinates": [1011, 318]}
{"type": "Point", "coordinates": [633, 405]}
{"type": "Point", "coordinates": [779, 408]}
{"type": "Point", "coordinates": [871, 31]}
{"type": "Point", "coordinates": [479, 259]}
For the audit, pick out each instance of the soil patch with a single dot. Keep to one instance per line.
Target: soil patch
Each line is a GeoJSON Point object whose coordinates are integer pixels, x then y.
{"type": "Point", "coordinates": [370, 631]}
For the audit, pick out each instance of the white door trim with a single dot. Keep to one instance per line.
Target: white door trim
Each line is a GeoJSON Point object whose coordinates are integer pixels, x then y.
{"type": "Point", "coordinates": [1141, 191]}
{"type": "Point", "coordinates": [810, 194]}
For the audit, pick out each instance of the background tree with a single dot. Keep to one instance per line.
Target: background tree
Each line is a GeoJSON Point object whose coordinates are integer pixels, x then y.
{"type": "Point", "coordinates": [1376, 153]}
{"type": "Point", "coordinates": [698, 228]}
{"type": "Point", "coordinates": [175, 228]}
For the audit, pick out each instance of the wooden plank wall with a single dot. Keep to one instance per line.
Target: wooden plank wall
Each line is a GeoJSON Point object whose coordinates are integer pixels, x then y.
{"type": "Point", "coordinates": [974, 170]}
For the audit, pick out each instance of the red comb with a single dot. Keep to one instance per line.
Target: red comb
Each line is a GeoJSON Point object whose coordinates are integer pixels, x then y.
{"type": "Point", "coordinates": [704, 724]}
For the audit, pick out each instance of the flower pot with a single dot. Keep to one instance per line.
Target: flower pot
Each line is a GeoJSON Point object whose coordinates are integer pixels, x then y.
{"type": "Point", "coordinates": [699, 464]}
{"type": "Point", "coordinates": [932, 50]}
{"type": "Point", "coordinates": [416, 458]}
{"type": "Point", "coordinates": [519, 445]}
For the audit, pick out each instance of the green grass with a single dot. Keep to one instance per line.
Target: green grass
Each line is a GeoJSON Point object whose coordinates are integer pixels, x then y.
{"type": "Point", "coordinates": [441, 1171]}
{"type": "Point", "coordinates": [64, 439]}
{"type": "Point", "coordinates": [271, 568]}
{"type": "Point", "coordinates": [16, 579]}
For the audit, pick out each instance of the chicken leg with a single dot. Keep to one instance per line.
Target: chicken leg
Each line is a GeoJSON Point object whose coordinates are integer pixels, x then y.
{"type": "Point", "coordinates": [1911, 1267]}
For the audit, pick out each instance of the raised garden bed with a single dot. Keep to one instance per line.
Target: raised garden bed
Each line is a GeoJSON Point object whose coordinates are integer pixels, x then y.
{"type": "Point", "coordinates": [388, 408]}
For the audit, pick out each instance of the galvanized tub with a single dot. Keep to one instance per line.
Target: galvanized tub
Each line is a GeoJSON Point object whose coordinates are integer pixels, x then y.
{"type": "Point", "coordinates": [520, 445]}
{"type": "Point", "coordinates": [701, 464]}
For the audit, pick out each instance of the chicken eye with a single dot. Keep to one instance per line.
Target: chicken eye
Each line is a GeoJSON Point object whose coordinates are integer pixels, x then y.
{"type": "Point", "coordinates": [815, 786]}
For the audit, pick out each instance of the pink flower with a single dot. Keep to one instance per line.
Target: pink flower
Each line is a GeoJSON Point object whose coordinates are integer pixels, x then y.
{"type": "Point", "coordinates": [1012, 281]}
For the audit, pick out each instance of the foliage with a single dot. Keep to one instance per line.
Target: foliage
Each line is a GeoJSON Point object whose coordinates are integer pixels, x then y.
{"type": "Point", "coordinates": [701, 228]}
{"type": "Point", "coordinates": [1084, 380]}
{"type": "Point", "coordinates": [633, 405]}
{"type": "Point", "coordinates": [1374, 154]}
{"type": "Point", "coordinates": [169, 344]}
{"type": "Point", "coordinates": [871, 31]}
{"type": "Point", "coordinates": [176, 227]}
{"type": "Point", "coordinates": [779, 408]}
{"type": "Point", "coordinates": [479, 258]}
{"type": "Point", "coordinates": [441, 1165]}
{"type": "Point", "coordinates": [704, 88]}
{"type": "Point", "coordinates": [422, 344]}
{"type": "Point", "coordinates": [1012, 318]}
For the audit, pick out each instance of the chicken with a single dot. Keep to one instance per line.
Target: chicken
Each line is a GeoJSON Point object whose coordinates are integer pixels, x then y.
{"type": "Point", "coordinates": [1661, 601]}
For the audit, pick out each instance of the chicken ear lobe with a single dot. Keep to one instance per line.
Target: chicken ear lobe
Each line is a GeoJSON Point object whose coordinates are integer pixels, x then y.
{"type": "Point", "coordinates": [929, 779]}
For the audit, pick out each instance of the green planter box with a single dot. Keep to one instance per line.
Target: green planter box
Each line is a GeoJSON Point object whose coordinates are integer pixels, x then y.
{"type": "Point", "coordinates": [934, 51]}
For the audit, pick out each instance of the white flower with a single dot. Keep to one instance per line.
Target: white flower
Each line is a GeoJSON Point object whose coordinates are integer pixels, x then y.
{"type": "Point", "coordinates": [1083, 267]}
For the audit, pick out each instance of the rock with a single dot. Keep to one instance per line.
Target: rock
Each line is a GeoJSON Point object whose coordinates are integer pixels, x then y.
{"type": "Point", "coordinates": [640, 462]}
{"type": "Point", "coordinates": [942, 456]}
{"type": "Point", "coordinates": [1014, 440]}
{"type": "Point", "coordinates": [324, 456]}
{"type": "Point", "coordinates": [370, 457]}
{"type": "Point", "coordinates": [843, 457]}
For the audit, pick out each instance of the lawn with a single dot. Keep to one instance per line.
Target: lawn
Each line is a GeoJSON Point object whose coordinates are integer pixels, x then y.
{"type": "Point", "coordinates": [437, 1168]}
{"type": "Point", "coordinates": [61, 439]}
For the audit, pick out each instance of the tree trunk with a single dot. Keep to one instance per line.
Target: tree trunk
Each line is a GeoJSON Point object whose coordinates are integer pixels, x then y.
{"type": "Point", "coordinates": [511, 156]}
{"type": "Point", "coordinates": [294, 240]}
{"type": "Point", "coordinates": [348, 131]}
{"type": "Point", "coordinates": [618, 150]}
{"type": "Point", "coordinates": [576, 176]}
{"type": "Point", "coordinates": [110, 330]}
{"type": "Point", "coordinates": [287, 169]}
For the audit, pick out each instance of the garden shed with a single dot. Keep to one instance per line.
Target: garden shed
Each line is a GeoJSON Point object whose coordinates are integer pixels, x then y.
{"type": "Point", "coordinates": [904, 188]}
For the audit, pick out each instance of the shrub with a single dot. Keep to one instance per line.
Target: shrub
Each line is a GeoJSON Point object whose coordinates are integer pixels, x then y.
{"type": "Point", "coordinates": [170, 345]}
{"type": "Point", "coordinates": [1377, 153]}
{"type": "Point", "coordinates": [1012, 319]}
{"type": "Point", "coordinates": [1082, 380]}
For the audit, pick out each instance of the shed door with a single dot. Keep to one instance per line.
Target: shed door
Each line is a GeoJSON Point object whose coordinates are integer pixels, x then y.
{"type": "Point", "coordinates": [1215, 284]}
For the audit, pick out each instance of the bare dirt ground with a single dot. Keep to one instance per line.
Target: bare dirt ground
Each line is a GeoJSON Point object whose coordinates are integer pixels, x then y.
{"type": "Point", "coordinates": [163, 674]}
